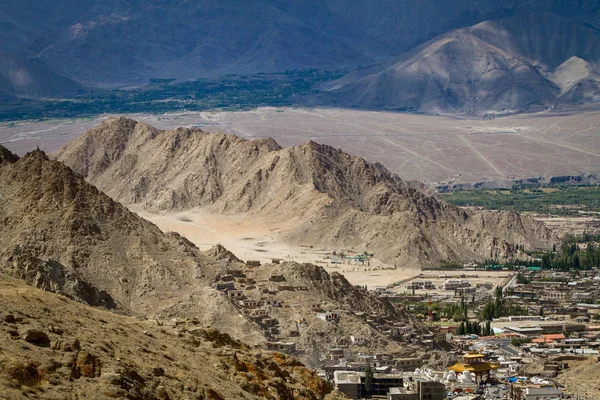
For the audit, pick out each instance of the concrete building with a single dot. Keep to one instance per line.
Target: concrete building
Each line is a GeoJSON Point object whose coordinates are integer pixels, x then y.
{"type": "Point", "coordinates": [329, 316]}
{"type": "Point", "coordinates": [535, 393]}
{"type": "Point", "coordinates": [408, 364]}
{"type": "Point", "coordinates": [235, 294]}
{"type": "Point", "coordinates": [358, 340]}
{"type": "Point", "coordinates": [401, 393]}
{"type": "Point", "coordinates": [453, 284]}
{"type": "Point", "coordinates": [225, 285]}
{"type": "Point", "coordinates": [430, 390]}
{"type": "Point", "coordinates": [283, 347]}
{"type": "Point", "coordinates": [352, 383]}
{"type": "Point", "coordinates": [272, 302]}
{"type": "Point", "coordinates": [253, 263]}
{"type": "Point", "coordinates": [250, 303]}
{"type": "Point", "coordinates": [348, 383]}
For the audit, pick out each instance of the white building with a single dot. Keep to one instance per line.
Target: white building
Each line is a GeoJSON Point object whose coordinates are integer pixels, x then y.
{"type": "Point", "coordinates": [453, 284]}
{"type": "Point", "coordinates": [358, 340]}
{"type": "Point", "coordinates": [329, 316]}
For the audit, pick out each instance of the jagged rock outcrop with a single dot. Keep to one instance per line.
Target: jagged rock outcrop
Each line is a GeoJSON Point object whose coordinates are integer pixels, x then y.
{"type": "Point", "coordinates": [324, 195]}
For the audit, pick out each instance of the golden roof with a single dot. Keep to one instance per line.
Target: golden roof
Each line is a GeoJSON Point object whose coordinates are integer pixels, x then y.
{"type": "Point", "coordinates": [473, 355]}
{"type": "Point", "coordinates": [479, 367]}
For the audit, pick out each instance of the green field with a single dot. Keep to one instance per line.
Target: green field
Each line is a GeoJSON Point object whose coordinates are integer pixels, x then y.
{"type": "Point", "coordinates": [229, 92]}
{"type": "Point", "coordinates": [565, 200]}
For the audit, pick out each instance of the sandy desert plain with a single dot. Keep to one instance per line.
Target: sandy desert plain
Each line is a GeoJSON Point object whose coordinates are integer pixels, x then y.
{"type": "Point", "coordinates": [433, 149]}
{"type": "Point", "coordinates": [250, 239]}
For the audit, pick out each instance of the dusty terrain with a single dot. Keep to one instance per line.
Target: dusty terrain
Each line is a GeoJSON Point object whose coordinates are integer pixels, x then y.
{"type": "Point", "coordinates": [250, 240]}
{"type": "Point", "coordinates": [54, 348]}
{"type": "Point", "coordinates": [582, 378]}
{"type": "Point", "coordinates": [571, 225]}
{"type": "Point", "coordinates": [433, 149]}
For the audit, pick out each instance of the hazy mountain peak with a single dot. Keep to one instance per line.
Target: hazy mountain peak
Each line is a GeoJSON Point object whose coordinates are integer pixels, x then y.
{"type": "Point", "coordinates": [501, 66]}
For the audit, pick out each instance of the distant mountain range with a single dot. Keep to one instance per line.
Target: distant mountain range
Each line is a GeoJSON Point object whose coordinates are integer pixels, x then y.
{"type": "Point", "coordinates": [516, 64]}
{"type": "Point", "coordinates": [21, 77]}
{"type": "Point", "coordinates": [130, 41]}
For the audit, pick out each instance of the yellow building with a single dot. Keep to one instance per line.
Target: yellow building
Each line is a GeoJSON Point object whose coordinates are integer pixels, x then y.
{"type": "Point", "coordinates": [473, 362]}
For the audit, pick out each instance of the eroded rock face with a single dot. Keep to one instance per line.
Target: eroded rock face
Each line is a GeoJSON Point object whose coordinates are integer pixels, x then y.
{"type": "Point", "coordinates": [61, 234]}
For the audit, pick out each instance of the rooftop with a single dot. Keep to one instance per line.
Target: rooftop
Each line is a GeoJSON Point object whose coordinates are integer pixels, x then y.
{"type": "Point", "coordinates": [554, 336]}
{"type": "Point", "coordinates": [346, 377]}
{"type": "Point", "coordinates": [473, 355]}
{"type": "Point", "coordinates": [479, 367]}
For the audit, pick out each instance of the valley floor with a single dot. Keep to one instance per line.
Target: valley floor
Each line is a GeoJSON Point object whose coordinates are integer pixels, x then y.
{"type": "Point", "coordinates": [253, 239]}
{"type": "Point", "coordinates": [433, 149]}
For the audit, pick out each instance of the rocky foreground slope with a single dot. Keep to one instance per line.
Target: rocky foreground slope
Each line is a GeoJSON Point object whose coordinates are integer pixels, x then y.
{"type": "Point", "coordinates": [325, 196]}
{"type": "Point", "coordinates": [54, 348]}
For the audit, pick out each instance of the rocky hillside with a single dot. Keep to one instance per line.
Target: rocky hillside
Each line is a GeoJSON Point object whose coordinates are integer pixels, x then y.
{"type": "Point", "coordinates": [54, 348]}
{"type": "Point", "coordinates": [324, 195]}
{"type": "Point", "coordinates": [59, 233]}
{"type": "Point", "coordinates": [523, 63]}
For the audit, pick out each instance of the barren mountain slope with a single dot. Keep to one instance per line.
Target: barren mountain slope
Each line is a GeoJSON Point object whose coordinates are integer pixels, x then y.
{"type": "Point", "coordinates": [54, 348]}
{"type": "Point", "coordinates": [31, 78]}
{"type": "Point", "coordinates": [499, 66]}
{"type": "Point", "coordinates": [578, 80]}
{"type": "Point", "coordinates": [325, 195]}
{"type": "Point", "coordinates": [61, 234]}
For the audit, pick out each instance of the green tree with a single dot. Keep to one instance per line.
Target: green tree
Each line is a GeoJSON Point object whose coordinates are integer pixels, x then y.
{"type": "Point", "coordinates": [369, 379]}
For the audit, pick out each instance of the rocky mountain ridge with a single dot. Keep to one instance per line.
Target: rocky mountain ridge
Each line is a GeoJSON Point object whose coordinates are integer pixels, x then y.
{"type": "Point", "coordinates": [326, 196]}
{"type": "Point", "coordinates": [61, 234]}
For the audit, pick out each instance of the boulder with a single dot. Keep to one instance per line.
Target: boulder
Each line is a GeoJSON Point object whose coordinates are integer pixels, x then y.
{"type": "Point", "coordinates": [36, 336]}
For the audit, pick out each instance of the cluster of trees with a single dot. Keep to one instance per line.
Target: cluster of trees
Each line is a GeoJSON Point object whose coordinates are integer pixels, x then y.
{"type": "Point", "coordinates": [575, 253]}
{"type": "Point", "coordinates": [498, 307]}
{"type": "Point", "coordinates": [229, 92]}
{"type": "Point", "coordinates": [456, 311]}
{"type": "Point", "coordinates": [522, 279]}
{"type": "Point", "coordinates": [529, 199]}
{"type": "Point", "coordinates": [517, 342]}
{"type": "Point", "coordinates": [476, 328]}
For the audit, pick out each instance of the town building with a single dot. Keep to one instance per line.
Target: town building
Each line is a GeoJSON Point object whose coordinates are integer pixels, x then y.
{"type": "Point", "coordinates": [329, 316]}
{"type": "Point", "coordinates": [474, 363]}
